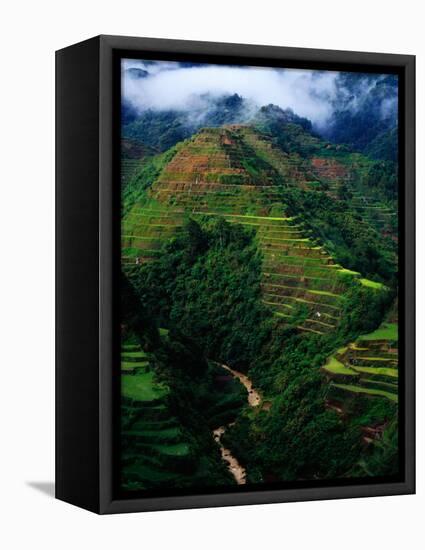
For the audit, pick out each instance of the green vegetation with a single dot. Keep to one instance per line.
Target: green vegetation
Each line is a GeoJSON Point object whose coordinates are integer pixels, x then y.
{"type": "Point", "coordinates": [142, 387]}
{"type": "Point", "coordinates": [370, 391]}
{"type": "Point", "coordinates": [274, 252]}
{"type": "Point", "coordinates": [388, 331]}
{"type": "Point", "coordinates": [371, 284]}
{"type": "Point", "coordinates": [144, 178]}
{"type": "Point", "coordinates": [163, 441]}
{"type": "Point", "coordinates": [336, 367]}
{"type": "Point", "coordinates": [134, 155]}
{"type": "Point", "coordinates": [373, 359]}
{"type": "Point", "coordinates": [354, 244]}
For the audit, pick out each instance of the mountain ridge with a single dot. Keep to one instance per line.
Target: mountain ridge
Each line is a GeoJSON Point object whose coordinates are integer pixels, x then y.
{"type": "Point", "coordinates": [236, 173]}
{"type": "Point", "coordinates": [362, 116]}
{"type": "Point", "coordinates": [255, 248]}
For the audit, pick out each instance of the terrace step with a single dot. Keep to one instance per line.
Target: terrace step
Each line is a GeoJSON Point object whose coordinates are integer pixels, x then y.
{"type": "Point", "coordinates": [376, 370]}
{"type": "Point", "coordinates": [210, 176]}
{"type": "Point", "coordinates": [155, 449]}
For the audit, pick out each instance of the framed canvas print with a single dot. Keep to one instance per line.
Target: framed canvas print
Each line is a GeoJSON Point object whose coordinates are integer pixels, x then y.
{"type": "Point", "coordinates": [235, 274]}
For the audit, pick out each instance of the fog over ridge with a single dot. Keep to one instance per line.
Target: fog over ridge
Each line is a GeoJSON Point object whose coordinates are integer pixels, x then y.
{"type": "Point", "coordinates": [191, 88]}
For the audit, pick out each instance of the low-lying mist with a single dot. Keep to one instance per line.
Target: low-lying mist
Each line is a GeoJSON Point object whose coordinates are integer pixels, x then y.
{"type": "Point", "coordinates": [195, 89]}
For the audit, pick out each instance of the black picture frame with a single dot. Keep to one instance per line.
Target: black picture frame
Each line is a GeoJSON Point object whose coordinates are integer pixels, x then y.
{"type": "Point", "coordinates": [87, 217]}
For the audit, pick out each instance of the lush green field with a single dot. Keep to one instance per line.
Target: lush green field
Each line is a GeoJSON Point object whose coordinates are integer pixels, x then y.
{"type": "Point", "coordinates": [367, 367]}
{"type": "Point", "coordinates": [388, 331]}
{"type": "Point", "coordinates": [336, 367]}
{"type": "Point", "coordinates": [141, 387]}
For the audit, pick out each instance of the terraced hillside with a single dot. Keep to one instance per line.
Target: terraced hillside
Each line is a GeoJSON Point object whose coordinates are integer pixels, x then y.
{"type": "Point", "coordinates": [368, 366]}
{"type": "Point", "coordinates": [155, 449]}
{"type": "Point", "coordinates": [269, 254]}
{"type": "Point", "coordinates": [306, 161]}
{"type": "Point", "coordinates": [235, 173]}
{"type": "Point", "coordinates": [134, 155]}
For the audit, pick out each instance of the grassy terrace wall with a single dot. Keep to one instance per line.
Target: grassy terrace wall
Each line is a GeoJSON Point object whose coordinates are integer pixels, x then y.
{"type": "Point", "coordinates": [129, 168]}
{"type": "Point", "coordinates": [134, 155]}
{"type": "Point", "coordinates": [368, 366]}
{"type": "Point", "coordinates": [328, 168]}
{"type": "Point", "coordinates": [155, 449]}
{"type": "Point", "coordinates": [233, 173]}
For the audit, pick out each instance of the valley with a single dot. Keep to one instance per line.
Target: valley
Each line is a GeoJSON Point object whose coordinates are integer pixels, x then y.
{"type": "Point", "coordinates": [254, 400]}
{"type": "Point", "coordinates": [269, 260]}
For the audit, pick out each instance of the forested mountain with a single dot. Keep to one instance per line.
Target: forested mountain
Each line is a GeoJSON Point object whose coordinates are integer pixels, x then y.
{"type": "Point", "coordinates": [163, 129]}
{"type": "Point", "coordinates": [368, 124]}
{"type": "Point", "coordinates": [363, 116]}
{"type": "Point", "coordinates": [264, 251]}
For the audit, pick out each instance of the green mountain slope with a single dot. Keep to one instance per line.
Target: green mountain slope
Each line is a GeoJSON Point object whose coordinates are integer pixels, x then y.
{"type": "Point", "coordinates": [274, 251]}
{"type": "Point", "coordinates": [237, 173]}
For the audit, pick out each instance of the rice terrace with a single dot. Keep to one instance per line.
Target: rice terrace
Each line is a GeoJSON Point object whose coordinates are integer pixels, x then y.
{"type": "Point", "coordinates": [259, 276]}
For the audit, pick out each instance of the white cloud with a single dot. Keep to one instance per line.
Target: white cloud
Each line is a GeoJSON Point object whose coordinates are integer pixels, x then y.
{"type": "Point", "coordinates": [174, 87]}
{"type": "Point", "coordinates": [170, 86]}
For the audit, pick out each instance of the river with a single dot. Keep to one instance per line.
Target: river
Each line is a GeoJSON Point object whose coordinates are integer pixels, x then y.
{"type": "Point", "coordinates": [254, 399]}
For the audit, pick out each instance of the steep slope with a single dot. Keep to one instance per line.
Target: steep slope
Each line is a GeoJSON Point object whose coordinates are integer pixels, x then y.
{"type": "Point", "coordinates": [239, 174]}
{"type": "Point", "coordinates": [155, 450]}
{"type": "Point", "coordinates": [324, 166]}
{"type": "Point", "coordinates": [134, 155]}
{"type": "Point", "coordinates": [162, 129]}
{"type": "Point", "coordinates": [269, 183]}
{"type": "Point", "coordinates": [369, 365]}
{"type": "Point", "coordinates": [370, 187]}
{"type": "Point", "coordinates": [365, 111]}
